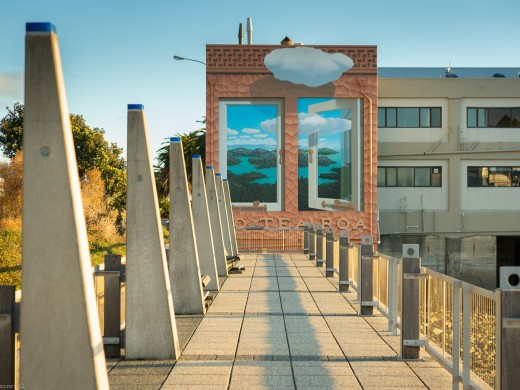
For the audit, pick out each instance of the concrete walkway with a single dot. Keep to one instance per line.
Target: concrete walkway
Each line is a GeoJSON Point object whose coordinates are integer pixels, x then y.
{"type": "Point", "coordinates": [283, 325]}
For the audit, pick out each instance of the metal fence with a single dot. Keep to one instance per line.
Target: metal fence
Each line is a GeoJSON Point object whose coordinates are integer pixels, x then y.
{"type": "Point", "coordinates": [269, 239]}
{"type": "Point", "coordinates": [457, 318]}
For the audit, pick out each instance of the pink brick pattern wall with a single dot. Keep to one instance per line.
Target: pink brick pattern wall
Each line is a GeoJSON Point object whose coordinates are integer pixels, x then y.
{"type": "Point", "coordinates": [258, 83]}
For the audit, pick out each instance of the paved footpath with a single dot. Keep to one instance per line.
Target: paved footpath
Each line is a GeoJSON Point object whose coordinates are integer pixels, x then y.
{"type": "Point", "coordinates": [282, 325]}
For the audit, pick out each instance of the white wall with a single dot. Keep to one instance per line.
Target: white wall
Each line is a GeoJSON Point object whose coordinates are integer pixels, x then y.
{"type": "Point", "coordinates": [423, 134]}
{"type": "Point", "coordinates": [488, 198]}
{"type": "Point", "coordinates": [414, 198]}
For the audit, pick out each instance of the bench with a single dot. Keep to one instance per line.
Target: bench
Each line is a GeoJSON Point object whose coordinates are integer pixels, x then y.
{"type": "Point", "coordinates": [233, 267]}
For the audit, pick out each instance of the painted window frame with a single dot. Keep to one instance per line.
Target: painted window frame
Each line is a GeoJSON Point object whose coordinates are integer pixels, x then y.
{"type": "Point", "coordinates": [279, 103]}
{"type": "Point", "coordinates": [356, 149]}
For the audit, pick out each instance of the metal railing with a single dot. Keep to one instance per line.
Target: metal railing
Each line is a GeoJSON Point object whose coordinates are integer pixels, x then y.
{"type": "Point", "coordinates": [260, 239]}
{"type": "Point", "coordinates": [457, 318]}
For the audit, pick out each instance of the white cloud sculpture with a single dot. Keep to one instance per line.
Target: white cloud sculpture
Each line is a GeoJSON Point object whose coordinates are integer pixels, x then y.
{"type": "Point", "coordinates": [307, 66]}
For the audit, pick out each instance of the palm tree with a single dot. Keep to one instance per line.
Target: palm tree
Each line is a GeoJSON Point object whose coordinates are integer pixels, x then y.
{"type": "Point", "coordinates": [192, 143]}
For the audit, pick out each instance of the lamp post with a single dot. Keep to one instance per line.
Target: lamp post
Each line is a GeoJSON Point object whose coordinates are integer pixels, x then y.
{"type": "Point", "coordinates": [179, 58]}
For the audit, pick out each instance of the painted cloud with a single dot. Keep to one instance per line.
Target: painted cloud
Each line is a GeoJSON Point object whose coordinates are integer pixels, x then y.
{"type": "Point", "coordinates": [306, 65]}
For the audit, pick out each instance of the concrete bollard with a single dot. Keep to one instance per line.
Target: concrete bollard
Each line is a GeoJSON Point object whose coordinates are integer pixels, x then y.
{"type": "Point", "coordinates": [223, 214]}
{"type": "Point", "coordinates": [306, 238]}
{"type": "Point", "coordinates": [7, 336]}
{"type": "Point", "coordinates": [216, 225]}
{"type": "Point", "coordinates": [508, 329]}
{"type": "Point", "coordinates": [329, 255]}
{"type": "Point", "coordinates": [148, 287]}
{"type": "Point", "coordinates": [410, 341]}
{"type": "Point", "coordinates": [231, 219]}
{"type": "Point", "coordinates": [319, 246]}
{"type": "Point", "coordinates": [61, 337]}
{"type": "Point", "coordinates": [184, 259]}
{"type": "Point", "coordinates": [199, 205]}
{"type": "Point", "coordinates": [312, 242]}
{"type": "Point", "coordinates": [344, 248]}
{"type": "Point", "coordinates": [367, 302]}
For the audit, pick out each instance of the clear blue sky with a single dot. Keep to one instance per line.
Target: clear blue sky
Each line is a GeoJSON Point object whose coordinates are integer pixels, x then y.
{"type": "Point", "coordinates": [120, 52]}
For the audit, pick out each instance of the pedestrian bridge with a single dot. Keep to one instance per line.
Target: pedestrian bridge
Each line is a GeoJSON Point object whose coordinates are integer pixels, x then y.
{"type": "Point", "coordinates": [282, 324]}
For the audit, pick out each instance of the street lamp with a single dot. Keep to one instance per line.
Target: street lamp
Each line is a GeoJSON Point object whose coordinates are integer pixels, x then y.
{"type": "Point", "coordinates": [178, 58]}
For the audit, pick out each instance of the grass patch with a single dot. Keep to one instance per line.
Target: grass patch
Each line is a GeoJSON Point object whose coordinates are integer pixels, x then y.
{"type": "Point", "coordinates": [11, 255]}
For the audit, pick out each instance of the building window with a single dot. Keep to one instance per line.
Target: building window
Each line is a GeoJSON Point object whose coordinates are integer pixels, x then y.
{"type": "Point", "coordinates": [330, 157]}
{"type": "Point", "coordinates": [251, 158]}
{"type": "Point", "coordinates": [409, 177]}
{"type": "Point", "coordinates": [493, 176]}
{"type": "Point", "coordinates": [409, 117]}
{"type": "Point", "coordinates": [501, 117]}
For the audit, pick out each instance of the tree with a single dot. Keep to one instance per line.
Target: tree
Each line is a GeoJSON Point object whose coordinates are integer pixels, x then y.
{"type": "Point", "coordinates": [192, 143]}
{"type": "Point", "coordinates": [92, 152]}
{"type": "Point", "coordinates": [11, 129]}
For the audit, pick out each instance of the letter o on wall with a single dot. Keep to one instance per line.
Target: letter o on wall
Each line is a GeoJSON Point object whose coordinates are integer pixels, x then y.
{"type": "Point", "coordinates": [342, 224]}
{"type": "Point", "coordinates": [240, 223]}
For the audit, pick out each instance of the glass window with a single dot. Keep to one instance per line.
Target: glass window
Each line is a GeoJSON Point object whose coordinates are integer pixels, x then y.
{"type": "Point", "coordinates": [515, 117]}
{"type": "Point", "coordinates": [381, 174]}
{"type": "Point", "coordinates": [482, 117]}
{"type": "Point", "coordinates": [515, 177]}
{"type": "Point", "coordinates": [250, 141]}
{"type": "Point", "coordinates": [381, 117]}
{"type": "Point", "coordinates": [436, 177]}
{"type": "Point", "coordinates": [425, 117]}
{"type": "Point", "coordinates": [436, 113]}
{"type": "Point", "coordinates": [422, 177]}
{"type": "Point", "coordinates": [493, 176]}
{"type": "Point", "coordinates": [472, 117]}
{"type": "Point", "coordinates": [391, 177]}
{"type": "Point", "coordinates": [407, 117]}
{"type": "Point", "coordinates": [499, 177]}
{"type": "Point", "coordinates": [473, 177]}
{"type": "Point", "coordinates": [391, 117]}
{"type": "Point", "coordinates": [405, 177]}
{"type": "Point", "coordinates": [499, 117]}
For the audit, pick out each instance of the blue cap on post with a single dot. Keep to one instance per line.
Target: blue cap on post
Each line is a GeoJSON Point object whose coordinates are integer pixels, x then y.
{"type": "Point", "coordinates": [218, 174]}
{"type": "Point", "coordinates": [175, 139]}
{"type": "Point", "coordinates": [139, 107]}
{"type": "Point", "coordinates": [196, 156]}
{"type": "Point", "coordinates": [224, 179]}
{"type": "Point", "coordinates": [209, 166]}
{"type": "Point", "coordinates": [40, 27]}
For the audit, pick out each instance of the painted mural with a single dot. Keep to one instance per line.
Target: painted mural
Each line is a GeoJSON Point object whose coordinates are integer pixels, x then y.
{"type": "Point", "coordinates": [324, 153]}
{"type": "Point", "coordinates": [252, 145]}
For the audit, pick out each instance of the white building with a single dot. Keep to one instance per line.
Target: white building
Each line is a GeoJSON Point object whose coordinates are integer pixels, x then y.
{"type": "Point", "coordinates": [449, 167]}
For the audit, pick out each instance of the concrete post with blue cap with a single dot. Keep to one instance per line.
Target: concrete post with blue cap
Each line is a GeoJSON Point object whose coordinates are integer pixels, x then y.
{"type": "Point", "coordinates": [60, 333]}
{"type": "Point", "coordinates": [184, 258]}
{"type": "Point", "coordinates": [231, 219]}
{"type": "Point", "coordinates": [223, 214]}
{"type": "Point", "coordinates": [216, 226]}
{"type": "Point", "coordinates": [148, 289]}
{"type": "Point", "coordinates": [199, 205]}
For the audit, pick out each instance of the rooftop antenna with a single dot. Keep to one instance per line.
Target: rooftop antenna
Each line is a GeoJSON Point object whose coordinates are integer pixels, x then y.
{"type": "Point", "coordinates": [240, 34]}
{"type": "Point", "coordinates": [249, 31]}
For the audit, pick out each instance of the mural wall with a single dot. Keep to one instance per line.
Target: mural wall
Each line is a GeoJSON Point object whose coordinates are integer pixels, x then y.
{"type": "Point", "coordinates": [295, 136]}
